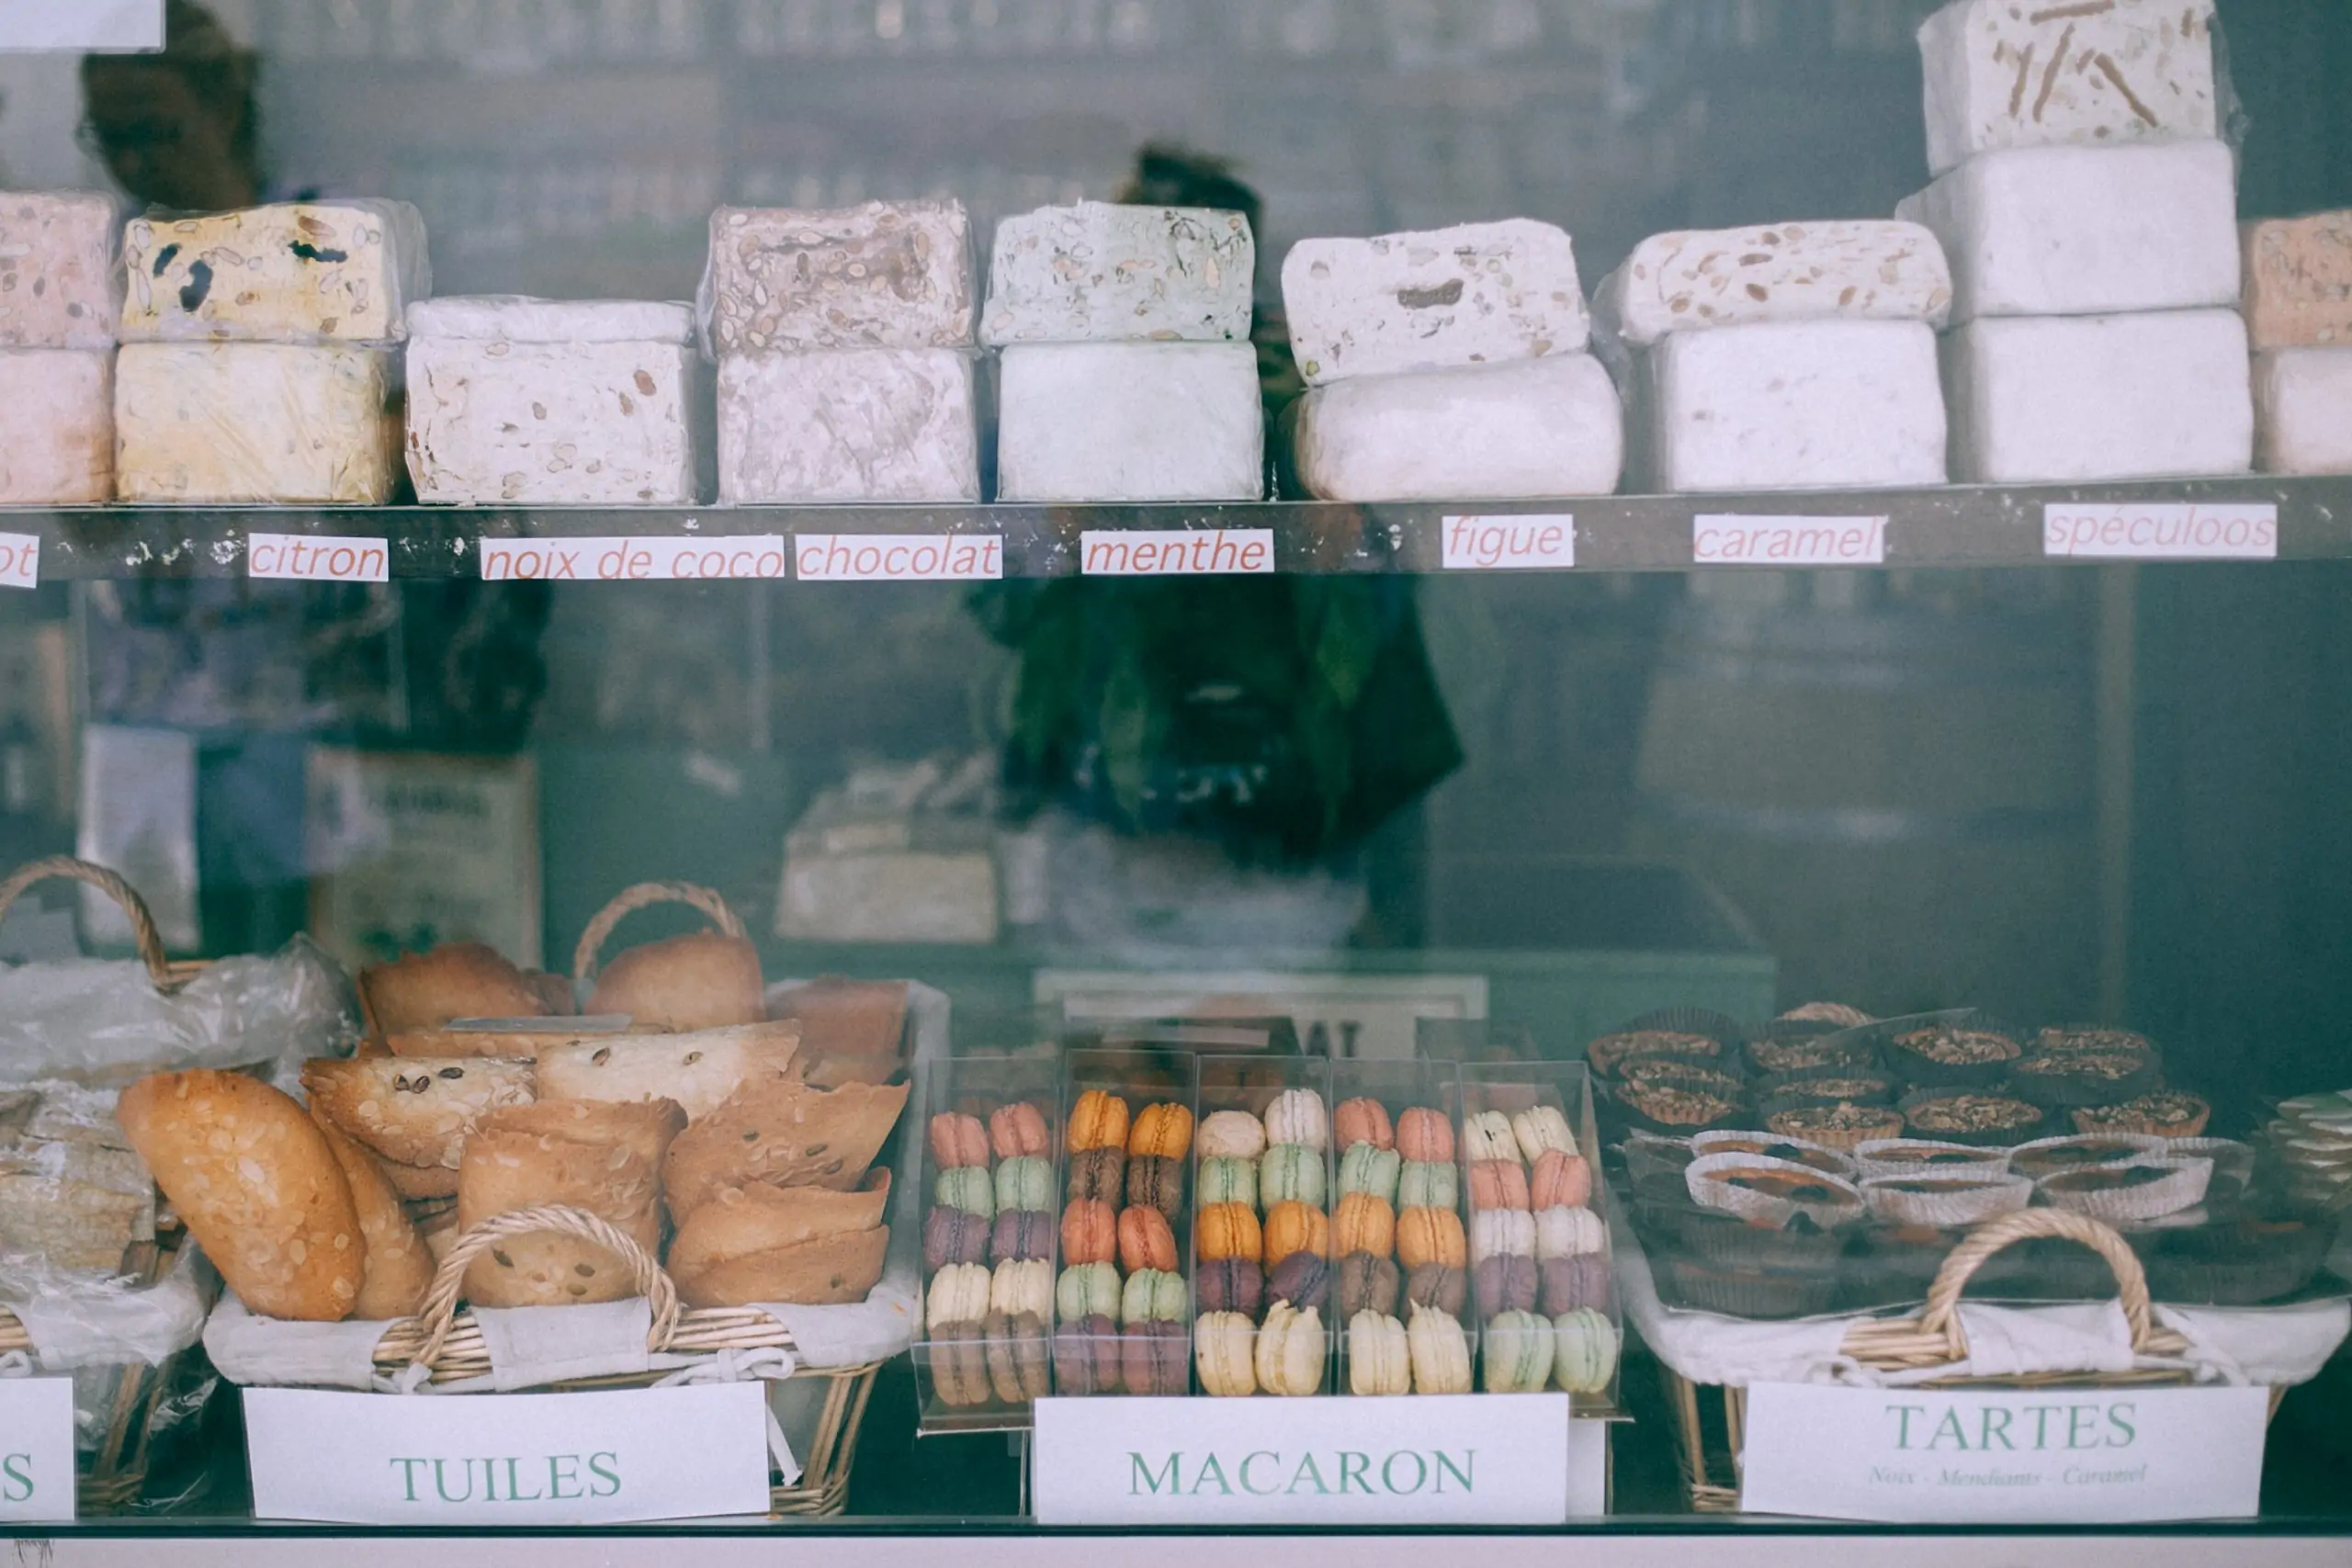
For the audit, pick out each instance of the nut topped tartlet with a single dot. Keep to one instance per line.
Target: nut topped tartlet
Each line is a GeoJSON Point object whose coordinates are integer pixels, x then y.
{"type": "Point", "coordinates": [1955, 1054]}
{"type": "Point", "coordinates": [2167, 1115]}
{"type": "Point", "coordinates": [1842, 1125]}
{"type": "Point", "coordinates": [1971, 1116]}
{"type": "Point", "coordinates": [2099, 1041]}
{"type": "Point", "coordinates": [1678, 1098]}
{"type": "Point", "coordinates": [2065, 1079]}
{"type": "Point", "coordinates": [1610, 1054]}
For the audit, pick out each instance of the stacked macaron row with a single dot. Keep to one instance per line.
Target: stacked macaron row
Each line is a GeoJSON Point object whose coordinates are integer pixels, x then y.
{"type": "Point", "coordinates": [987, 1246]}
{"type": "Point", "coordinates": [1535, 1241]}
{"type": "Point", "coordinates": [1367, 1282]}
{"type": "Point", "coordinates": [1433, 1251]}
{"type": "Point", "coordinates": [1120, 1296]}
{"type": "Point", "coordinates": [1265, 1236]}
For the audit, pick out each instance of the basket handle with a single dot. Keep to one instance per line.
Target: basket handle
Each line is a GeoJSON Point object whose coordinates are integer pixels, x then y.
{"type": "Point", "coordinates": [438, 1315]}
{"type": "Point", "coordinates": [142, 924]}
{"type": "Point", "coordinates": [1942, 1316]}
{"type": "Point", "coordinates": [644, 895]}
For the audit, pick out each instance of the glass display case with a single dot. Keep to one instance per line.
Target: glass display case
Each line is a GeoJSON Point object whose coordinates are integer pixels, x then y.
{"type": "Point", "coordinates": [1594, 741]}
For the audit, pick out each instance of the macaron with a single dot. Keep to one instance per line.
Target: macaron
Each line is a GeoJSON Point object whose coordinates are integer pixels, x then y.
{"type": "Point", "coordinates": [1584, 1351]}
{"type": "Point", "coordinates": [1224, 1346]}
{"type": "Point", "coordinates": [1296, 1116]}
{"type": "Point", "coordinates": [1540, 1129]}
{"type": "Point", "coordinates": [1426, 1184]}
{"type": "Point", "coordinates": [1487, 1134]}
{"type": "Point", "coordinates": [1497, 1184]}
{"type": "Point", "coordinates": [1440, 1355]}
{"type": "Point", "coordinates": [953, 1235]}
{"type": "Point", "coordinates": [1087, 1290]}
{"type": "Point", "coordinates": [1304, 1280]}
{"type": "Point", "coordinates": [1152, 1295]}
{"type": "Point", "coordinates": [1163, 1131]}
{"type": "Point", "coordinates": [1230, 1134]}
{"type": "Point", "coordinates": [1425, 1136]}
{"type": "Point", "coordinates": [1295, 1227]}
{"type": "Point", "coordinates": [1564, 1284]}
{"type": "Point", "coordinates": [1291, 1173]}
{"type": "Point", "coordinates": [1152, 1358]}
{"type": "Point", "coordinates": [1017, 1356]}
{"type": "Point", "coordinates": [1090, 1231]}
{"type": "Point", "coordinates": [1231, 1284]}
{"type": "Point", "coordinates": [1424, 1235]}
{"type": "Point", "coordinates": [1290, 1350]}
{"type": "Point", "coordinates": [1020, 1235]}
{"type": "Point", "coordinates": [1226, 1179]}
{"type": "Point", "coordinates": [1362, 1121]}
{"type": "Point", "coordinates": [1023, 1287]}
{"type": "Point", "coordinates": [1145, 1240]}
{"type": "Point", "coordinates": [1507, 1283]}
{"type": "Point", "coordinates": [1100, 1175]}
{"type": "Point", "coordinates": [1558, 1178]}
{"type": "Point", "coordinates": [967, 1187]}
{"type": "Point", "coordinates": [1366, 1284]}
{"type": "Point", "coordinates": [1085, 1355]}
{"type": "Point", "coordinates": [1379, 1360]}
{"type": "Point", "coordinates": [1518, 1350]}
{"type": "Point", "coordinates": [1026, 1181]}
{"type": "Point", "coordinates": [958, 1360]}
{"type": "Point", "coordinates": [958, 1293]}
{"type": "Point", "coordinates": [1018, 1130]}
{"type": "Point", "coordinates": [1444, 1287]}
{"type": "Point", "coordinates": [1502, 1233]}
{"type": "Point", "coordinates": [1098, 1121]}
{"type": "Point", "coordinates": [958, 1140]}
{"type": "Point", "coordinates": [1363, 1223]}
{"type": "Point", "coordinates": [1227, 1230]}
{"type": "Point", "coordinates": [1371, 1169]}
{"type": "Point", "coordinates": [1156, 1181]}
{"type": "Point", "coordinates": [1564, 1232]}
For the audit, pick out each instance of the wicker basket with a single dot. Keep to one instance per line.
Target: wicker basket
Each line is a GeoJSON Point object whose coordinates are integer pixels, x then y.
{"type": "Point", "coordinates": [1711, 1432]}
{"type": "Point", "coordinates": [112, 1477]}
{"type": "Point", "coordinates": [446, 1341]}
{"type": "Point", "coordinates": [644, 895]}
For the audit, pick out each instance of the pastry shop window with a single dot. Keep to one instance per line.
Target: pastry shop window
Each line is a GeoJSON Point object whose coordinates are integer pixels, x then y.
{"type": "Point", "coordinates": [983, 765]}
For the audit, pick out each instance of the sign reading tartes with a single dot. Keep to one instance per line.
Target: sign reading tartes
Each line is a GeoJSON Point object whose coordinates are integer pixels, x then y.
{"type": "Point", "coordinates": [36, 1450]}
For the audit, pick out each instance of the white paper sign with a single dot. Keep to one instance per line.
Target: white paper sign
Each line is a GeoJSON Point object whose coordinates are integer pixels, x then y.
{"type": "Point", "coordinates": [2159, 531]}
{"type": "Point", "coordinates": [19, 560]}
{"type": "Point", "coordinates": [898, 558]}
{"type": "Point", "coordinates": [36, 1450]}
{"type": "Point", "coordinates": [1441, 1459]}
{"type": "Point", "coordinates": [77, 25]}
{"type": "Point", "coordinates": [2004, 1456]}
{"type": "Point", "coordinates": [1729, 539]}
{"type": "Point", "coordinates": [1531, 542]}
{"type": "Point", "coordinates": [1176, 552]}
{"type": "Point", "coordinates": [633, 559]}
{"type": "Point", "coordinates": [318, 558]}
{"type": "Point", "coordinates": [508, 1459]}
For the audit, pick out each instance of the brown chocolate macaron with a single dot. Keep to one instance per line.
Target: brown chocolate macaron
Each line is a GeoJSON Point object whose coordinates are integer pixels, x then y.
{"type": "Point", "coordinates": [1565, 1284]}
{"type": "Point", "coordinates": [1156, 1358]}
{"type": "Point", "coordinates": [1506, 1283]}
{"type": "Point", "coordinates": [1231, 1284]}
{"type": "Point", "coordinates": [953, 1235]}
{"type": "Point", "coordinates": [1440, 1286]}
{"type": "Point", "coordinates": [1099, 1174]}
{"type": "Point", "coordinates": [1155, 1181]}
{"type": "Point", "coordinates": [1086, 1357]}
{"type": "Point", "coordinates": [1367, 1284]}
{"type": "Point", "coordinates": [1020, 1236]}
{"type": "Point", "coordinates": [1303, 1278]}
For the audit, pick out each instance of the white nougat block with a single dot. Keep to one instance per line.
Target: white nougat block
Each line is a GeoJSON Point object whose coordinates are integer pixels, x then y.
{"type": "Point", "coordinates": [2008, 73]}
{"type": "Point", "coordinates": [1795, 405]}
{"type": "Point", "coordinates": [58, 284]}
{"type": "Point", "coordinates": [2087, 232]}
{"type": "Point", "coordinates": [551, 403]}
{"type": "Point", "coordinates": [223, 423]}
{"type": "Point", "coordinates": [1478, 294]}
{"type": "Point", "coordinates": [56, 427]}
{"type": "Point", "coordinates": [299, 271]}
{"type": "Point", "coordinates": [1778, 271]}
{"type": "Point", "coordinates": [1130, 421]}
{"type": "Point", "coordinates": [1538, 428]}
{"type": "Point", "coordinates": [2302, 403]}
{"type": "Point", "coordinates": [2058, 400]}
{"type": "Point", "coordinates": [1100, 272]}
{"type": "Point", "coordinates": [881, 275]}
{"type": "Point", "coordinates": [870, 424]}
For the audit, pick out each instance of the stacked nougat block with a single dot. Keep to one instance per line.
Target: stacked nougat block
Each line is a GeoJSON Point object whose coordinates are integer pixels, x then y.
{"type": "Point", "coordinates": [1450, 364]}
{"type": "Point", "coordinates": [843, 339]}
{"type": "Point", "coordinates": [60, 293]}
{"type": "Point", "coordinates": [2299, 314]}
{"type": "Point", "coordinates": [1125, 371]}
{"type": "Point", "coordinates": [542, 403]}
{"type": "Point", "coordinates": [2090, 218]}
{"type": "Point", "coordinates": [1787, 356]}
{"type": "Point", "coordinates": [260, 352]}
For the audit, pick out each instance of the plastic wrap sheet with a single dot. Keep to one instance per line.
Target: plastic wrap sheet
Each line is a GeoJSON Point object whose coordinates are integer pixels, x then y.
{"type": "Point", "coordinates": [518, 318]}
{"type": "Point", "coordinates": [100, 1332]}
{"type": "Point", "coordinates": [300, 272]}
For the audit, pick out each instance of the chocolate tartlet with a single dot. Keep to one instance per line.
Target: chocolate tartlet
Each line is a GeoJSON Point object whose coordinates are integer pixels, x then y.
{"type": "Point", "coordinates": [2053, 1156]}
{"type": "Point", "coordinates": [1771, 1147]}
{"type": "Point", "coordinates": [1971, 1116]}
{"type": "Point", "coordinates": [1952, 1055]}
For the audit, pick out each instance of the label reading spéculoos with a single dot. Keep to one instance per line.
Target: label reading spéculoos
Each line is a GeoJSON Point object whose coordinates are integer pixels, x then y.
{"type": "Point", "coordinates": [2160, 531]}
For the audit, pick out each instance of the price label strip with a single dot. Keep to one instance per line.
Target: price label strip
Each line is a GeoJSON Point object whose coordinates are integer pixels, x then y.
{"type": "Point", "coordinates": [318, 558]}
{"type": "Point", "coordinates": [2159, 531]}
{"type": "Point", "coordinates": [1526, 542]}
{"type": "Point", "coordinates": [1732, 540]}
{"type": "Point", "coordinates": [1177, 552]}
{"type": "Point", "coordinates": [36, 1450]}
{"type": "Point", "coordinates": [19, 560]}
{"type": "Point", "coordinates": [898, 558]}
{"type": "Point", "coordinates": [635, 558]}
